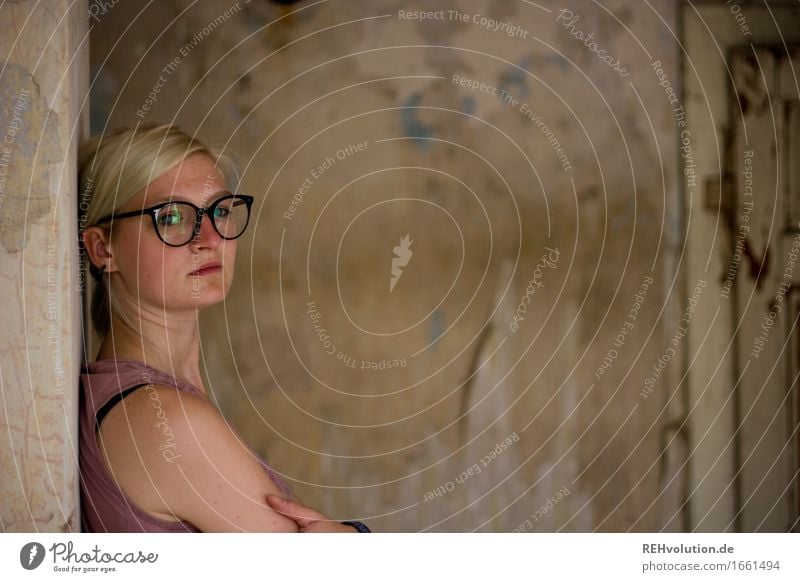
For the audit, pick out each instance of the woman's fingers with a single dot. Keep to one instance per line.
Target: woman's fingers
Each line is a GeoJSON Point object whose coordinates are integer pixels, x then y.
{"type": "Point", "coordinates": [302, 515]}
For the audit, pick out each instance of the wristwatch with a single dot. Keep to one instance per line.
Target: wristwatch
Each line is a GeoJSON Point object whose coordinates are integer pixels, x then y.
{"type": "Point", "coordinates": [361, 527]}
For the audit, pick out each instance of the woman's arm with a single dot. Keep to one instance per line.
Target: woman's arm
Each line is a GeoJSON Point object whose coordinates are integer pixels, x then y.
{"type": "Point", "coordinates": [174, 453]}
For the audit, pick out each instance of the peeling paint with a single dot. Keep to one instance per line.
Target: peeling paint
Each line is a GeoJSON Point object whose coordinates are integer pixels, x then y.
{"type": "Point", "coordinates": [436, 327]}
{"type": "Point", "coordinates": [412, 126]}
{"type": "Point", "coordinates": [468, 104]}
{"type": "Point", "coordinates": [30, 146]}
{"type": "Point", "coordinates": [515, 80]}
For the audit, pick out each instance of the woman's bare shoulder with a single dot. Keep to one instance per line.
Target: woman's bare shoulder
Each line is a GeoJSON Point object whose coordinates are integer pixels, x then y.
{"type": "Point", "coordinates": [179, 453]}
{"type": "Point", "coordinates": [151, 414]}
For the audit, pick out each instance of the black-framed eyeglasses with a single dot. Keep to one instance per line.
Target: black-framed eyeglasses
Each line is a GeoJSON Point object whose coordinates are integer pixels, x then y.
{"type": "Point", "coordinates": [178, 222]}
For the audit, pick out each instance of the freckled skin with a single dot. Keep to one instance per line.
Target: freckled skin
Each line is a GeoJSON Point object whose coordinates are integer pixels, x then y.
{"type": "Point", "coordinates": [156, 276]}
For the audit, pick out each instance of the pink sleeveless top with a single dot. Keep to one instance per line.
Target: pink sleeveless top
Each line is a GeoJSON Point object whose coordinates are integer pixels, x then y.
{"type": "Point", "coordinates": [104, 506]}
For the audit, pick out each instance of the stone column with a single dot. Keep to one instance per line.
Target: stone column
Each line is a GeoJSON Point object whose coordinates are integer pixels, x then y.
{"type": "Point", "coordinates": [43, 86]}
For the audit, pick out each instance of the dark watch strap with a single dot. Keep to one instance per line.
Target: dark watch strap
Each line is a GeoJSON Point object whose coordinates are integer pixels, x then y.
{"type": "Point", "coordinates": [361, 527]}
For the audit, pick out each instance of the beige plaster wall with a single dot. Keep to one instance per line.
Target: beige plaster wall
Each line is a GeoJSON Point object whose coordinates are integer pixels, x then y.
{"type": "Point", "coordinates": [43, 80]}
{"type": "Point", "coordinates": [477, 184]}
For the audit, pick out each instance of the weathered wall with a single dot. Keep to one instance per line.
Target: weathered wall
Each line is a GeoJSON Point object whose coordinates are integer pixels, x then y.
{"type": "Point", "coordinates": [44, 61]}
{"type": "Point", "coordinates": [480, 187]}
{"type": "Point", "coordinates": [743, 462]}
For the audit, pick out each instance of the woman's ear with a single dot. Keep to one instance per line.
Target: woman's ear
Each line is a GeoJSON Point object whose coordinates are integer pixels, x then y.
{"type": "Point", "coordinates": [97, 242]}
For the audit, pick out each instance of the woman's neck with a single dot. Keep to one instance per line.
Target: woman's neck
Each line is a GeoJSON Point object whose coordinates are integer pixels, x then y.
{"type": "Point", "coordinates": [173, 347]}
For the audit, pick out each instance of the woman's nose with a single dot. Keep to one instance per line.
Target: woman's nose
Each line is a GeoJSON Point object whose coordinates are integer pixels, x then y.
{"type": "Point", "coordinates": [207, 234]}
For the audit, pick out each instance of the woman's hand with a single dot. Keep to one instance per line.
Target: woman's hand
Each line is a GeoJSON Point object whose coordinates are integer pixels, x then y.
{"type": "Point", "coordinates": [308, 520]}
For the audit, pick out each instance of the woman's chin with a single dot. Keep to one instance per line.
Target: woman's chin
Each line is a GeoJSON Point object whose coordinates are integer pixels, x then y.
{"type": "Point", "coordinates": [207, 298]}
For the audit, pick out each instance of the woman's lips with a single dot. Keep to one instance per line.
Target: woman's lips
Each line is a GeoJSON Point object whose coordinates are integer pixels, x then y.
{"type": "Point", "coordinates": [204, 271]}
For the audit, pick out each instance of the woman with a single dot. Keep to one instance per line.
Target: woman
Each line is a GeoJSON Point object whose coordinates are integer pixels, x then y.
{"type": "Point", "coordinates": [159, 230]}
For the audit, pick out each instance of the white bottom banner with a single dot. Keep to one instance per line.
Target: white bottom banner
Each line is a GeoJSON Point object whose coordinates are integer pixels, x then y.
{"type": "Point", "coordinates": [457, 557]}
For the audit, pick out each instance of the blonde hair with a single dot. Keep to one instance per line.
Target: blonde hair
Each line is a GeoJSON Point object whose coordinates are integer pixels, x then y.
{"type": "Point", "coordinates": [112, 169]}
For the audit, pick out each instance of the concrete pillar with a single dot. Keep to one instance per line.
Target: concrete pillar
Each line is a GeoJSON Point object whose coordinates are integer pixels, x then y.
{"type": "Point", "coordinates": [43, 84]}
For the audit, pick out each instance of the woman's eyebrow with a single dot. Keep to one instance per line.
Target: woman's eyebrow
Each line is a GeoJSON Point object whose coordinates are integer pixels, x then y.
{"type": "Point", "coordinates": [176, 198]}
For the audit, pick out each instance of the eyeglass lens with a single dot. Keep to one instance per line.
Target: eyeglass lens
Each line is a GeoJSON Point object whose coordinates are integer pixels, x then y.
{"type": "Point", "coordinates": [175, 222]}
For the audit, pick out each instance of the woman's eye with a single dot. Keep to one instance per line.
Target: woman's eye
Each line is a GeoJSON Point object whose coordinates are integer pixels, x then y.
{"type": "Point", "coordinates": [169, 218]}
{"type": "Point", "coordinates": [220, 212]}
